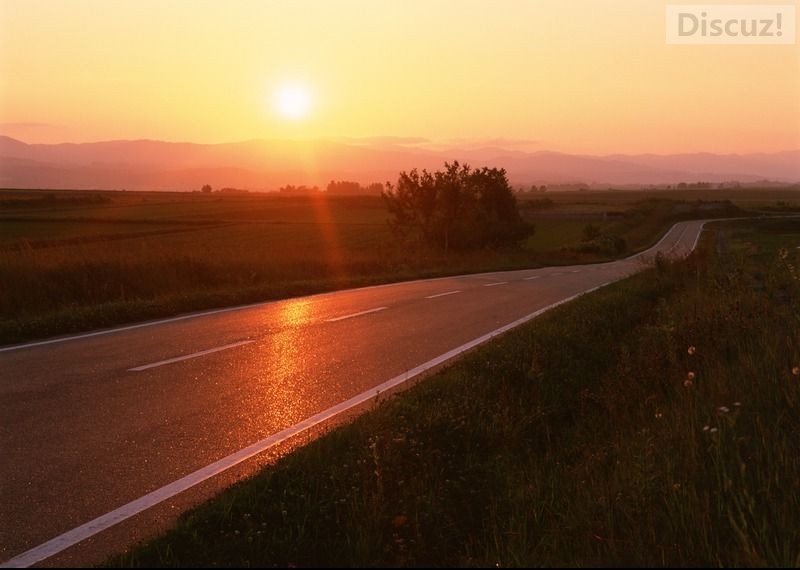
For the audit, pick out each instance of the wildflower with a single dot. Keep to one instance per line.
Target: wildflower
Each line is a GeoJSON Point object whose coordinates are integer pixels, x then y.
{"type": "Point", "coordinates": [687, 383]}
{"type": "Point", "coordinates": [690, 375]}
{"type": "Point", "coordinates": [659, 415]}
{"type": "Point", "coordinates": [796, 371]}
{"type": "Point", "coordinates": [737, 404]}
{"type": "Point", "coordinates": [706, 428]}
{"type": "Point", "coordinates": [723, 409]}
{"type": "Point", "coordinates": [713, 430]}
{"type": "Point", "coordinates": [691, 350]}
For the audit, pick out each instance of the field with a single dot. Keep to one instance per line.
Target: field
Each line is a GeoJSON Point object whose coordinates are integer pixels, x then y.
{"type": "Point", "coordinates": [651, 424]}
{"type": "Point", "coordinates": [72, 261]}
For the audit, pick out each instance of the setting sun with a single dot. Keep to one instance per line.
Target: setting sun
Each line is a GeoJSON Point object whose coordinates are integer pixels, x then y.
{"type": "Point", "coordinates": [293, 101]}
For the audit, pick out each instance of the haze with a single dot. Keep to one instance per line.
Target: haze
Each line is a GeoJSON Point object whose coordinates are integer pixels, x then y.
{"type": "Point", "coordinates": [584, 77]}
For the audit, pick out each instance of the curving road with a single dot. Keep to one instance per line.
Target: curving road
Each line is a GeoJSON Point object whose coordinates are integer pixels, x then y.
{"type": "Point", "coordinates": [107, 436]}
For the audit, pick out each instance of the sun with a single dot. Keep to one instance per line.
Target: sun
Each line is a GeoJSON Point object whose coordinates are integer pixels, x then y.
{"type": "Point", "coordinates": [293, 101]}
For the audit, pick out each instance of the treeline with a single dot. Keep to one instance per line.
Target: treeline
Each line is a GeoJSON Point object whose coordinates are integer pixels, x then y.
{"type": "Point", "coordinates": [335, 188]}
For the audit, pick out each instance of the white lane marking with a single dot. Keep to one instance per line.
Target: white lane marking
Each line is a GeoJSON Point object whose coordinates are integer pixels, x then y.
{"type": "Point", "coordinates": [103, 522]}
{"type": "Point", "coordinates": [532, 278]}
{"type": "Point", "coordinates": [697, 237]}
{"type": "Point", "coordinates": [132, 327]}
{"type": "Point", "coordinates": [443, 294]}
{"type": "Point", "coordinates": [188, 356]}
{"type": "Point", "coordinates": [333, 320]}
{"type": "Point", "coordinates": [498, 283]}
{"type": "Point", "coordinates": [575, 271]}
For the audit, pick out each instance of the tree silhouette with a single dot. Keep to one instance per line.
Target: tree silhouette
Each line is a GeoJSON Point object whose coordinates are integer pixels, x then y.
{"type": "Point", "coordinates": [456, 208]}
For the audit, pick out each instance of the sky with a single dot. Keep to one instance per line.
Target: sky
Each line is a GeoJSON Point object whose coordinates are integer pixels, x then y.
{"type": "Point", "coordinates": [585, 76]}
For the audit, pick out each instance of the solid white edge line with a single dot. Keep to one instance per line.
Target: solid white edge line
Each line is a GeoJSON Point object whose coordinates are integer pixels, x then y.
{"type": "Point", "coordinates": [188, 356]}
{"type": "Point", "coordinates": [531, 278]}
{"type": "Point", "coordinates": [101, 523]}
{"type": "Point", "coordinates": [368, 311]}
{"type": "Point", "coordinates": [129, 327]}
{"type": "Point", "coordinates": [443, 294]}
{"type": "Point", "coordinates": [498, 283]}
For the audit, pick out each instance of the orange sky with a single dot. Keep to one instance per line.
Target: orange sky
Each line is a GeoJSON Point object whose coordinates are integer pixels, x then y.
{"type": "Point", "coordinates": [587, 76]}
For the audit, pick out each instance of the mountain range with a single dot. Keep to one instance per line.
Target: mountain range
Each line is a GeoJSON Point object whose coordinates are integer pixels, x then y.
{"type": "Point", "coordinates": [270, 164]}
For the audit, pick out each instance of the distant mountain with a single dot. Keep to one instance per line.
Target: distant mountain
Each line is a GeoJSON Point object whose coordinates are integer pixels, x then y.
{"type": "Point", "coordinates": [269, 164]}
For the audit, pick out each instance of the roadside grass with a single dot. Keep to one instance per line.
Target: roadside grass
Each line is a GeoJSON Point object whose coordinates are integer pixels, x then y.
{"type": "Point", "coordinates": [653, 423]}
{"type": "Point", "coordinates": [76, 261]}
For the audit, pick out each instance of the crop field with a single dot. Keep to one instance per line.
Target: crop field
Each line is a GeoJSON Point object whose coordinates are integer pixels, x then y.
{"type": "Point", "coordinates": [76, 260]}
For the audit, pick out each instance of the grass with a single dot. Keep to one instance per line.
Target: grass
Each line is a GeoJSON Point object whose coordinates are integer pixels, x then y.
{"type": "Point", "coordinates": [74, 261]}
{"type": "Point", "coordinates": [653, 423]}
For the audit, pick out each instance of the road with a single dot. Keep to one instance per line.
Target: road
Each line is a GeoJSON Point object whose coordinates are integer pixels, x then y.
{"type": "Point", "coordinates": [156, 416]}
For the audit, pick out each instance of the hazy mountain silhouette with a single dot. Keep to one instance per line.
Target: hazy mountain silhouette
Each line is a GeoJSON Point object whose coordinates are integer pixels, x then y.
{"type": "Point", "coordinates": [269, 164]}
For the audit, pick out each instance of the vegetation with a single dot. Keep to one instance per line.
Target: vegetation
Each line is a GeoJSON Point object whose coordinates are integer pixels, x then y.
{"type": "Point", "coordinates": [72, 261]}
{"type": "Point", "coordinates": [458, 208]}
{"type": "Point", "coordinates": [653, 423]}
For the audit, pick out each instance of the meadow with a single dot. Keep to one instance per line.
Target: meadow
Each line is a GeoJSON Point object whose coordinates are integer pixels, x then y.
{"type": "Point", "coordinates": [77, 260]}
{"type": "Point", "coordinates": [653, 423]}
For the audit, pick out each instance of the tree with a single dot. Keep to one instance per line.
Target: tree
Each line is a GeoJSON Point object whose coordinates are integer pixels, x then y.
{"type": "Point", "coordinates": [206, 188]}
{"type": "Point", "coordinates": [456, 208]}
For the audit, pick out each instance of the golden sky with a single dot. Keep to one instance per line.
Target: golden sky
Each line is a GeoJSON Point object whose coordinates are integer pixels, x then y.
{"type": "Point", "coordinates": [585, 76]}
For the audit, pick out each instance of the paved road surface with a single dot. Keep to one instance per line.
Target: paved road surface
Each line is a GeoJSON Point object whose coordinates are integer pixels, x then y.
{"type": "Point", "coordinates": [93, 422]}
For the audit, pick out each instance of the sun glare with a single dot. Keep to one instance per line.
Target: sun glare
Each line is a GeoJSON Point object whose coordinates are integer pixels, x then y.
{"type": "Point", "coordinates": [293, 101]}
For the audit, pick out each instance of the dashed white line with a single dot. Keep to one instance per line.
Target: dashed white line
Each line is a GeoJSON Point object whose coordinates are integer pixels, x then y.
{"type": "Point", "coordinates": [498, 283]}
{"type": "Point", "coordinates": [532, 278]}
{"type": "Point", "coordinates": [575, 271]}
{"type": "Point", "coordinates": [368, 311]}
{"type": "Point", "coordinates": [442, 294]}
{"type": "Point", "coordinates": [188, 356]}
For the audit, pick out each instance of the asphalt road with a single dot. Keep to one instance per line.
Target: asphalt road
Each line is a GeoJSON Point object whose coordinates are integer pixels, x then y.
{"type": "Point", "coordinates": [93, 422]}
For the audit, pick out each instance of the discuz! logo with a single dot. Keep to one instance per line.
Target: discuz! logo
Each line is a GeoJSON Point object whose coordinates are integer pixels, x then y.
{"type": "Point", "coordinates": [730, 24]}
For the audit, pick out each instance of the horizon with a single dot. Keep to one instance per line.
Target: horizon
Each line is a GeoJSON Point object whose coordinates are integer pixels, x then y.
{"type": "Point", "coordinates": [593, 80]}
{"type": "Point", "coordinates": [421, 144]}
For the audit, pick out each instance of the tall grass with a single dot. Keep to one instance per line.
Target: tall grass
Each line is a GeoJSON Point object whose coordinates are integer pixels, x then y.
{"type": "Point", "coordinates": [653, 423]}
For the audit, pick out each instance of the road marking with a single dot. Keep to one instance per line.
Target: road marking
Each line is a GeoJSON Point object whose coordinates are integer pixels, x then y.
{"type": "Point", "coordinates": [532, 278]}
{"type": "Point", "coordinates": [498, 283]}
{"type": "Point", "coordinates": [188, 356]}
{"type": "Point", "coordinates": [103, 522]}
{"type": "Point", "coordinates": [556, 273]}
{"type": "Point", "coordinates": [575, 271]}
{"type": "Point", "coordinates": [333, 320]}
{"type": "Point", "coordinates": [697, 237]}
{"type": "Point", "coordinates": [442, 294]}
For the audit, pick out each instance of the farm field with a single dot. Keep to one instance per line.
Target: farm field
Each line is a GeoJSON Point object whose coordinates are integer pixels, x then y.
{"type": "Point", "coordinates": [76, 260]}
